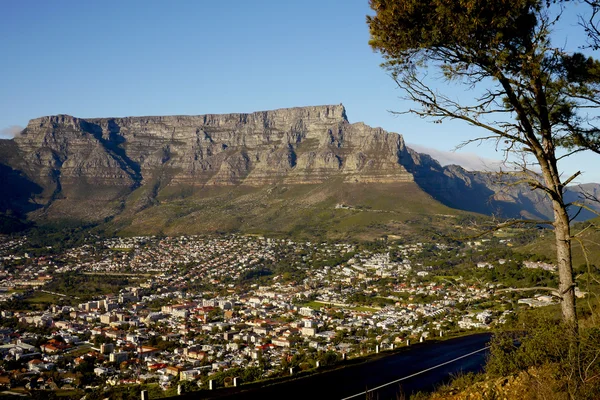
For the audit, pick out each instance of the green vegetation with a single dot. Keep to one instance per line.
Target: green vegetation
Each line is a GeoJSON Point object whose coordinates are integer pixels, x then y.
{"type": "Point", "coordinates": [586, 246]}
{"type": "Point", "coordinates": [69, 289]}
{"type": "Point", "coordinates": [246, 375]}
{"type": "Point", "coordinates": [542, 346]}
{"type": "Point", "coordinates": [317, 305]}
{"type": "Point", "coordinates": [456, 263]}
{"type": "Point", "coordinates": [538, 97]}
{"type": "Point", "coordinates": [131, 392]}
{"type": "Point", "coordinates": [42, 299]}
{"type": "Point", "coordinates": [56, 237]}
{"type": "Point", "coordinates": [297, 211]}
{"type": "Point", "coordinates": [9, 223]}
{"type": "Point", "coordinates": [81, 287]}
{"type": "Point", "coordinates": [531, 359]}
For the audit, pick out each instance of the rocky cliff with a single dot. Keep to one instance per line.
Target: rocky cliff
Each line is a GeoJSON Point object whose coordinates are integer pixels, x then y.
{"type": "Point", "coordinates": [300, 145]}
{"type": "Point", "coordinates": [91, 169]}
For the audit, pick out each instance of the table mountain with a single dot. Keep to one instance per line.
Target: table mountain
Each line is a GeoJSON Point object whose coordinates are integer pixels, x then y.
{"type": "Point", "coordinates": [93, 169]}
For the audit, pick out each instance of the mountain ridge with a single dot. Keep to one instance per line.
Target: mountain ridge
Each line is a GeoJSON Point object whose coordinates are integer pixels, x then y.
{"type": "Point", "coordinates": [96, 168]}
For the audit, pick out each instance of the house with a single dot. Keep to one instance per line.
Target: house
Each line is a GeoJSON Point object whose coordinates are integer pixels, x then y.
{"type": "Point", "coordinates": [281, 342]}
{"type": "Point", "coordinates": [49, 349]}
{"type": "Point", "coordinates": [196, 355]}
{"type": "Point", "coordinates": [189, 375]}
{"type": "Point", "coordinates": [146, 351]}
{"type": "Point", "coordinates": [35, 365]}
{"type": "Point", "coordinates": [108, 318]}
{"type": "Point", "coordinates": [118, 357]}
{"type": "Point", "coordinates": [173, 370]}
{"type": "Point", "coordinates": [309, 331]}
{"type": "Point", "coordinates": [262, 330]}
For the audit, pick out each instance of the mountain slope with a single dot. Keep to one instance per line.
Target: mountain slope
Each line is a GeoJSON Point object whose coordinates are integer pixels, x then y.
{"type": "Point", "coordinates": [190, 173]}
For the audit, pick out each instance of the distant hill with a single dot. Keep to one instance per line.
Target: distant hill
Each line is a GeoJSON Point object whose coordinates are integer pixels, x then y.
{"type": "Point", "coordinates": [586, 248]}
{"type": "Point", "coordinates": [288, 169]}
{"type": "Point", "coordinates": [588, 194]}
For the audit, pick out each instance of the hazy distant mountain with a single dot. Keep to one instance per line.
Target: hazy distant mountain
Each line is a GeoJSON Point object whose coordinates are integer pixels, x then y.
{"type": "Point", "coordinates": [166, 171]}
{"type": "Point", "coordinates": [588, 194]}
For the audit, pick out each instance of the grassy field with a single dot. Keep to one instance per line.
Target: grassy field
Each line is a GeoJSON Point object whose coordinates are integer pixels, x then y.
{"type": "Point", "coordinates": [40, 297]}
{"type": "Point", "coordinates": [79, 351]}
{"type": "Point", "coordinates": [39, 300]}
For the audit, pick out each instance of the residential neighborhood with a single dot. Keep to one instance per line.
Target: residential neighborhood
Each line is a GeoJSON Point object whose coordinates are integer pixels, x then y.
{"type": "Point", "coordinates": [212, 308]}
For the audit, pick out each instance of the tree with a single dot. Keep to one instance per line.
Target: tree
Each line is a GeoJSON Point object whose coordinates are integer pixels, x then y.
{"type": "Point", "coordinates": [537, 101]}
{"type": "Point", "coordinates": [591, 24]}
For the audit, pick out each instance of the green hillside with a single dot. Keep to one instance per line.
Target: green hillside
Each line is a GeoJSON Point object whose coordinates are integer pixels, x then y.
{"type": "Point", "coordinates": [333, 210]}
{"type": "Point", "coordinates": [586, 246]}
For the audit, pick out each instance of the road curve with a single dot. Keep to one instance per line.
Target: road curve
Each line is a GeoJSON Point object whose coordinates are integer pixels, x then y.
{"type": "Point", "coordinates": [354, 379]}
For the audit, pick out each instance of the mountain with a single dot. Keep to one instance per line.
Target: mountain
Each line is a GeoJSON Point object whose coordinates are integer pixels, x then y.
{"type": "Point", "coordinates": [278, 169]}
{"type": "Point", "coordinates": [588, 194]}
{"type": "Point", "coordinates": [504, 196]}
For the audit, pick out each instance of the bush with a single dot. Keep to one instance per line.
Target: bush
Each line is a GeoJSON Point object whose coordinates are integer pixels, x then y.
{"type": "Point", "coordinates": [543, 352]}
{"type": "Point", "coordinates": [542, 340]}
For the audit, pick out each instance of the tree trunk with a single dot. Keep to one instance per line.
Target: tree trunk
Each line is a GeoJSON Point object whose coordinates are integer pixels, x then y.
{"type": "Point", "coordinates": [566, 286]}
{"type": "Point", "coordinates": [562, 233]}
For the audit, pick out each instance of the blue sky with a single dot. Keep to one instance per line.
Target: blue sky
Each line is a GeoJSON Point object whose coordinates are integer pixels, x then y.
{"type": "Point", "coordinates": [121, 58]}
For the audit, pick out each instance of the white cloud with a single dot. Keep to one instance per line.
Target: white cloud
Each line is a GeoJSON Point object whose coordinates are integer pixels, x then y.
{"type": "Point", "coordinates": [469, 161]}
{"type": "Point", "coordinates": [10, 132]}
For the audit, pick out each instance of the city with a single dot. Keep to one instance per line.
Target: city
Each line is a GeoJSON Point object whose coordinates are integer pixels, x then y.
{"type": "Point", "coordinates": [195, 312]}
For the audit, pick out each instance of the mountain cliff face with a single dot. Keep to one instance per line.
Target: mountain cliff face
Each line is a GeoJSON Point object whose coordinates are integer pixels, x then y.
{"type": "Point", "coordinates": [91, 169]}
{"type": "Point", "coordinates": [300, 145]}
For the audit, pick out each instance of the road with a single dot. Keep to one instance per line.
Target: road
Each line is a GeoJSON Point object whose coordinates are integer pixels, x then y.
{"type": "Point", "coordinates": [551, 290]}
{"type": "Point", "coordinates": [355, 379]}
{"type": "Point", "coordinates": [58, 294]}
{"type": "Point", "coordinates": [118, 274]}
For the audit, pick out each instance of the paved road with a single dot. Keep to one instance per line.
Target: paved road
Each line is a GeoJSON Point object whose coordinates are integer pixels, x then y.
{"type": "Point", "coordinates": [354, 379]}
{"type": "Point", "coordinates": [552, 290]}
